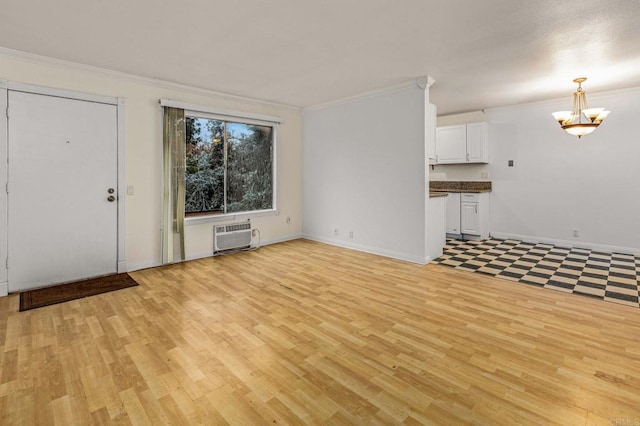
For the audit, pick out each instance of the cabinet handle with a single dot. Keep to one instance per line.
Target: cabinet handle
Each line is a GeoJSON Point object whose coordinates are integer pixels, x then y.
{"type": "Point", "coordinates": [476, 207]}
{"type": "Point", "coordinates": [467, 156]}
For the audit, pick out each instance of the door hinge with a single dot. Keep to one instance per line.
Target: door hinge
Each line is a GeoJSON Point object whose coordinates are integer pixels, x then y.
{"type": "Point", "coordinates": [7, 111]}
{"type": "Point", "coordinates": [7, 263]}
{"type": "Point", "coordinates": [7, 187]}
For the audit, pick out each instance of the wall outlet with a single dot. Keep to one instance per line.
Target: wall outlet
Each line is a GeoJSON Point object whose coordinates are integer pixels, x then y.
{"type": "Point", "coordinates": [576, 233]}
{"type": "Point", "coordinates": [350, 234]}
{"type": "Point", "coordinates": [288, 220]}
{"type": "Point", "coordinates": [484, 175]}
{"type": "Point", "coordinates": [336, 232]}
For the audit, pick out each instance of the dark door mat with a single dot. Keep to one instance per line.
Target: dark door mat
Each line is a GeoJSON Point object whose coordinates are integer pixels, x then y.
{"type": "Point", "coordinates": [76, 290]}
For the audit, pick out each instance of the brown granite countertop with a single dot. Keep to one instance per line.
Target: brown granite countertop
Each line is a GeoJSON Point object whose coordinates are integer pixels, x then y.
{"type": "Point", "coordinates": [437, 194]}
{"type": "Point", "coordinates": [459, 186]}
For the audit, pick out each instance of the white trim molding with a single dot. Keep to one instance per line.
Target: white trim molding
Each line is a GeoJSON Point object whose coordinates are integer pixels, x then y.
{"type": "Point", "coordinates": [368, 249]}
{"type": "Point", "coordinates": [61, 93]}
{"type": "Point", "coordinates": [567, 243]}
{"type": "Point", "coordinates": [365, 95]}
{"type": "Point", "coordinates": [4, 243]}
{"type": "Point", "coordinates": [204, 255]}
{"type": "Point", "coordinates": [163, 84]}
{"type": "Point", "coordinates": [122, 186]}
{"type": "Point", "coordinates": [220, 111]}
{"type": "Point", "coordinates": [158, 262]}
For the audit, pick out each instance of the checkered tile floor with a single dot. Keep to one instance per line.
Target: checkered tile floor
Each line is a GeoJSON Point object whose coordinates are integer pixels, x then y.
{"type": "Point", "coordinates": [609, 276]}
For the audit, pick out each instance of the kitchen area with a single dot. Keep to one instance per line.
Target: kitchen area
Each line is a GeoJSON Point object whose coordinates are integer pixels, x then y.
{"type": "Point", "coordinates": [540, 208]}
{"type": "Point", "coordinates": [459, 188]}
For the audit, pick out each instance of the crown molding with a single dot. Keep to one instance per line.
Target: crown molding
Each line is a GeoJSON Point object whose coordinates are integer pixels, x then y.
{"type": "Point", "coordinates": [162, 84]}
{"type": "Point", "coordinates": [364, 95]}
{"type": "Point", "coordinates": [566, 99]}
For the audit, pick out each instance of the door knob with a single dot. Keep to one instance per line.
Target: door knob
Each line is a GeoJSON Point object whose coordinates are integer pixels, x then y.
{"type": "Point", "coordinates": [111, 190]}
{"type": "Point", "coordinates": [111, 198]}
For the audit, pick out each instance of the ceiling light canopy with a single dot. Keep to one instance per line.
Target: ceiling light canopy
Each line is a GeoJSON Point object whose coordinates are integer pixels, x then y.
{"type": "Point", "coordinates": [582, 120]}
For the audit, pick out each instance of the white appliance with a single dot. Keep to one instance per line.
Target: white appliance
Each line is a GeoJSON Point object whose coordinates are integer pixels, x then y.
{"type": "Point", "coordinates": [232, 236]}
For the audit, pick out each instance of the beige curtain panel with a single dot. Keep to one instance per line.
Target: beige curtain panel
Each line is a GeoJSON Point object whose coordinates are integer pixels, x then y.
{"type": "Point", "coordinates": [174, 167]}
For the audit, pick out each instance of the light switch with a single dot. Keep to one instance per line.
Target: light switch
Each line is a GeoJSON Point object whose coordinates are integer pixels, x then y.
{"type": "Point", "coordinates": [130, 190]}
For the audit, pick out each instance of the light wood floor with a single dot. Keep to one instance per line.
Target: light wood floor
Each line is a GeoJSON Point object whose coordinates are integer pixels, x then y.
{"type": "Point", "coordinates": [302, 332]}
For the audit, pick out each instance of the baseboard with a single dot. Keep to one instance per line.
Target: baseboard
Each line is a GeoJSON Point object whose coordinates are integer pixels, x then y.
{"type": "Point", "coordinates": [281, 239]}
{"type": "Point", "coordinates": [567, 243]}
{"type": "Point", "coordinates": [195, 256]}
{"type": "Point", "coordinates": [143, 265]}
{"type": "Point", "coordinates": [122, 266]}
{"type": "Point", "coordinates": [202, 255]}
{"type": "Point", "coordinates": [368, 249]}
{"type": "Point", "coordinates": [4, 289]}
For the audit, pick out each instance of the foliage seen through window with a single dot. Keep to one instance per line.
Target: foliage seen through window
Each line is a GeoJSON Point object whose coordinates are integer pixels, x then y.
{"type": "Point", "coordinates": [229, 166]}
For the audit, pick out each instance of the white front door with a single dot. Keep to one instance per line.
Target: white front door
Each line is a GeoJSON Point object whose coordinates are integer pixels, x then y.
{"type": "Point", "coordinates": [62, 168]}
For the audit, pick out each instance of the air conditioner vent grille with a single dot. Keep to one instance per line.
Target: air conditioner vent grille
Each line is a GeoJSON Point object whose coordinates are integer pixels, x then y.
{"type": "Point", "coordinates": [238, 226]}
{"type": "Point", "coordinates": [234, 236]}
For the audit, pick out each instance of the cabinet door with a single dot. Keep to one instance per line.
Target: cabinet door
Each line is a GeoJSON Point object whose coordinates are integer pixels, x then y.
{"type": "Point", "coordinates": [436, 226]}
{"type": "Point", "coordinates": [453, 214]}
{"type": "Point", "coordinates": [470, 219]}
{"type": "Point", "coordinates": [451, 144]}
{"type": "Point", "coordinates": [477, 144]}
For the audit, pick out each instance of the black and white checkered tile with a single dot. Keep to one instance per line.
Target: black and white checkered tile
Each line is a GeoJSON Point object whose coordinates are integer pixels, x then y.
{"type": "Point", "coordinates": [609, 276]}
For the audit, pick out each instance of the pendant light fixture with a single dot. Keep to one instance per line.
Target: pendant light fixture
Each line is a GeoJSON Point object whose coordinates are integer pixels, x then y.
{"type": "Point", "coordinates": [582, 120]}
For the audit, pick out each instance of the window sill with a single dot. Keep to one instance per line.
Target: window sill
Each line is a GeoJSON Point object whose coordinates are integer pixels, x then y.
{"type": "Point", "coordinates": [230, 217]}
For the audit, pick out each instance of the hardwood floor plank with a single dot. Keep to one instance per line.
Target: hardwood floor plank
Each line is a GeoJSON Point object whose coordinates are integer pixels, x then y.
{"type": "Point", "coordinates": [306, 333]}
{"type": "Point", "coordinates": [133, 407]}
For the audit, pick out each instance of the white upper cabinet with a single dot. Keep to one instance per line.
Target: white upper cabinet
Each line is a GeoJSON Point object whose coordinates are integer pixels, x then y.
{"type": "Point", "coordinates": [477, 143]}
{"type": "Point", "coordinates": [463, 143]}
{"type": "Point", "coordinates": [451, 144]}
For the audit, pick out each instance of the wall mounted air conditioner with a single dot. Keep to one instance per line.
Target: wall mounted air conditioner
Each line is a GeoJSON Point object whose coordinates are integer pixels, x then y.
{"type": "Point", "coordinates": [232, 236]}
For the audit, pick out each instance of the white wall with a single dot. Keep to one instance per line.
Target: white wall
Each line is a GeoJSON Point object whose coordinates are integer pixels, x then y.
{"type": "Point", "coordinates": [364, 172]}
{"type": "Point", "coordinates": [144, 149]}
{"type": "Point", "coordinates": [473, 172]}
{"type": "Point", "coordinates": [560, 183]}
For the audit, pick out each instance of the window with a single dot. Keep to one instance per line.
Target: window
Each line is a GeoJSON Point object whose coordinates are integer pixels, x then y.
{"type": "Point", "coordinates": [229, 166]}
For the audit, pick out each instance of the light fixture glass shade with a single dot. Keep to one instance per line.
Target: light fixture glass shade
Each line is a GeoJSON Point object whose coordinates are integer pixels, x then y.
{"type": "Point", "coordinates": [592, 113]}
{"type": "Point", "coordinates": [562, 116]}
{"type": "Point", "coordinates": [580, 130]}
{"type": "Point", "coordinates": [602, 116]}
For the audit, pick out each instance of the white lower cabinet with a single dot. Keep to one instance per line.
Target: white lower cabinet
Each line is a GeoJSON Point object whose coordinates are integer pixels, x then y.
{"type": "Point", "coordinates": [436, 226]}
{"type": "Point", "coordinates": [469, 218]}
{"type": "Point", "coordinates": [468, 215]}
{"type": "Point", "coordinates": [453, 213]}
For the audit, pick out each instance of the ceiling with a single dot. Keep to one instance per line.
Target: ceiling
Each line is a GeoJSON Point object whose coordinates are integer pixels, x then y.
{"type": "Point", "coordinates": [481, 53]}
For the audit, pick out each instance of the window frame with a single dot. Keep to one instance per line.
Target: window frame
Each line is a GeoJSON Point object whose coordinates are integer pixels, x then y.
{"type": "Point", "coordinates": [207, 112]}
{"type": "Point", "coordinates": [205, 218]}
